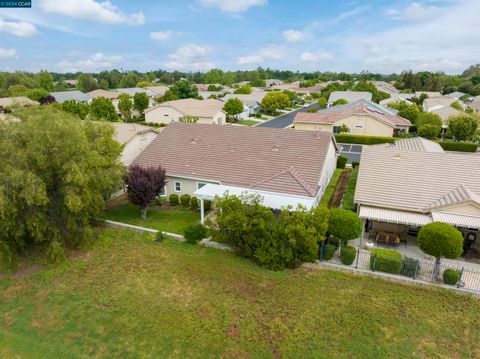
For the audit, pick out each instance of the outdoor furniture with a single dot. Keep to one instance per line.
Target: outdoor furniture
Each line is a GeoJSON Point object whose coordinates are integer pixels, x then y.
{"type": "Point", "coordinates": [403, 238]}
{"type": "Point", "coordinates": [388, 238]}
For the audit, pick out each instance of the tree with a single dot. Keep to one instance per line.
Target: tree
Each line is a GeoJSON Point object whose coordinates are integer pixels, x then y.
{"type": "Point", "coordinates": [55, 174]}
{"type": "Point", "coordinates": [462, 127]}
{"type": "Point", "coordinates": [169, 95]}
{"type": "Point", "coordinates": [340, 101]}
{"type": "Point", "coordinates": [86, 83]}
{"type": "Point", "coordinates": [141, 102]}
{"type": "Point", "coordinates": [188, 119]}
{"type": "Point", "coordinates": [410, 112]}
{"type": "Point", "coordinates": [243, 90]}
{"type": "Point", "coordinates": [274, 101]}
{"type": "Point", "coordinates": [214, 88]}
{"type": "Point", "coordinates": [102, 108]}
{"type": "Point", "coordinates": [143, 84]}
{"type": "Point", "coordinates": [456, 105]}
{"type": "Point", "coordinates": [428, 131]}
{"type": "Point", "coordinates": [45, 80]}
{"type": "Point", "coordinates": [322, 102]}
{"type": "Point", "coordinates": [292, 96]}
{"type": "Point", "coordinates": [183, 89]}
{"type": "Point", "coordinates": [130, 79]}
{"type": "Point", "coordinates": [440, 240]}
{"type": "Point", "coordinates": [344, 225]}
{"type": "Point", "coordinates": [429, 125]}
{"type": "Point", "coordinates": [233, 107]}
{"type": "Point", "coordinates": [36, 94]}
{"type": "Point", "coordinates": [258, 83]}
{"type": "Point", "coordinates": [76, 108]}
{"type": "Point", "coordinates": [144, 184]}
{"type": "Point", "coordinates": [16, 90]}
{"type": "Point", "coordinates": [47, 100]}
{"type": "Point", "coordinates": [125, 106]}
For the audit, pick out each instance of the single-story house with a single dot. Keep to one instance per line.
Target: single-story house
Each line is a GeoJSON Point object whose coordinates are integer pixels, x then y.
{"type": "Point", "coordinates": [72, 83]}
{"type": "Point", "coordinates": [404, 186]}
{"type": "Point", "coordinates": [111, 95]}
{"type": "Point", "coordinates": [442, 106]}
{"type": "Point", "coordinates": [361, 118]}
{"type": "Point", "coordinates": [75, 95]}
{"type": "Point", "coordinates": [475, 105]}
{"type": "Point", "coordinates": [385, 87]}
{"type": "Point", "coordinates": [157, 91]}
{"type": "Point", "coordinates": [398, 97]}
{"type": "Point", "coordinates": [428, 93]}
{"type": "Point", "coordinates": [131, 91]}
{"type": "Point", "coordinates": [251, 102]}
{"type": "Point", "coordinates": [19, 100]}
{"type": "Point", "coordinates": [285, 167]}
{"type": "Point", "coordinates": [208, 111]}
{"type": "Point", "coordinates": [455, 95]}
{"type": "Point", "coordinates": [273, 82]}
{"type": "Point", "coordinates": [350, 96]}
{"type": "Point", "coordinates": [134, 138]}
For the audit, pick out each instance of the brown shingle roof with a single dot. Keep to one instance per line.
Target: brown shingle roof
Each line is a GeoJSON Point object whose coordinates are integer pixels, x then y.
{"type": "Point", "coordinates": [277, 160]}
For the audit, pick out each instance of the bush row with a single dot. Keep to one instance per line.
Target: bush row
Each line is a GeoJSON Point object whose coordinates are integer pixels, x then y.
{"type": "Point", "coordinates": [187, 201]}
{"type": "Point", "coordinates": [363, 140]}
{"type": "Point", "coordinates": [458, 146]}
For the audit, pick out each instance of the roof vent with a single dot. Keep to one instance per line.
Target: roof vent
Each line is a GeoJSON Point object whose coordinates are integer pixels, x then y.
{"type": "Point", "coordinates": [232, 149]}
{"type": "Point", "coordinates": [193, 141]}
{"type": "Point", "coordinates": [275, 148]}
{"type": "Point", "coordinates": [398, 156]}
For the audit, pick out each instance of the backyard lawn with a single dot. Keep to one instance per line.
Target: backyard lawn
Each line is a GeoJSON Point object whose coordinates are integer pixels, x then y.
{"type": "Point", "coordinates": [247, 122]}
{"type": "Point", "coordinates": [174, 220]}
{"type": "Point", "coordinates": [129, 297]}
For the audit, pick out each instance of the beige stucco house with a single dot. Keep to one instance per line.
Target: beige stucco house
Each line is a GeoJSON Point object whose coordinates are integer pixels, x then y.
{"type": "Point", "coordinates": [134, 138]}
{"type": "Point", "coordinates": [361, 118]}
{"type": "Point", "coordinates": [442, 106]}
{"type": "Point", "coordinates": [208, 111]}
{"type": "Point", "coordinates": [284, 166]}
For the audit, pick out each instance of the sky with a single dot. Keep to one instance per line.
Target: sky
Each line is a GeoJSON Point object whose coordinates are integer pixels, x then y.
{"type": "Point", "coordinates": [382, 36]}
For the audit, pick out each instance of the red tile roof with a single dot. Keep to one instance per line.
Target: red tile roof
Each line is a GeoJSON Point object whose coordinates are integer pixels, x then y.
{"type": "Point", "coordinates": [276, 160]}
{"type": "Point", "coordinates": [362, 110]}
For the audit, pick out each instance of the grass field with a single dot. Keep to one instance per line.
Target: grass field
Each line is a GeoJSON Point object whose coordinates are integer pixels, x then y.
{"type": "Point", "coordinates": [168, 220]}
{"type": "Point", "coordinates": [247, 122]}
{"type": "Point", "coordinates": [129, 297]}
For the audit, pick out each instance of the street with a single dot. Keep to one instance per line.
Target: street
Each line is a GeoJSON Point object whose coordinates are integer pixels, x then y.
{"type": "Point", "coordinates": [284, 120]}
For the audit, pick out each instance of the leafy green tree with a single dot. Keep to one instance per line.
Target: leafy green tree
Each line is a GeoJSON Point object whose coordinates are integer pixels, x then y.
{"type": "Point", "coordinates": [322, 102]}
{"type": "Point", "coordinates": [189, 119]}
{"type": "Point", "coordinates": [125, 106]}
{"type": "Point", "coordinates": [274, 101]}
{"type": "Point", "coordinates": [55, 174]}
{"type": "Point", "coordinates": [233, 107]}
{"type": "Point", "coordinates": [45, 81]}
{"type": "Point", "coordinates": [344, 225]}
{"type": "Point", "coordinates": [86, 83]}
{"type": "Point", "coordinates": [440, 240]}
{"type": "Point", "coordinates": [340, 101]}
{"type": "Point", "coordinates": [258, 83]}
{"type": "Point", "coordinates": [102, 108]}
{"type": "Point", "coordinates": [16, 90]}
{"type": "Point", "coordinates": [292, 96]}
{"type": "Point", "coordinates": [214, 88]}
{"type": "Point", "coordinates": [429, 131]}
{"type": "Point", "coordinates": [243, 90]}
{"type": "Point", "coordinates": [36, 94]}
{"type": "Point", "coordinates": [76, 108]}
{"type": "Point", "coordinates": [410, 112]}
{"type": "Point", "coordinates": [141, 102]}
{"type": "Point", "coordinates": [462, 127]}
{"type": "Point", "coordinates": [143, 84]}
{"type": "Point", "coordinates": [169, 95]}
{"type": "Point", "coordinates": [429, 125]}
{"type": "Point", "coordinates": [130, 79]}
{"type": "Point", "coordinates": [456, 105]}
{"type": "Point", "coordinates": [183, 89]}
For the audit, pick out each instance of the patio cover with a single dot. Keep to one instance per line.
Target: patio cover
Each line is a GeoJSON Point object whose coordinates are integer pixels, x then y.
{"type": "Point", "coordinates": [457, 220]}
{"type": "Point", "coordinates": [394, 216]}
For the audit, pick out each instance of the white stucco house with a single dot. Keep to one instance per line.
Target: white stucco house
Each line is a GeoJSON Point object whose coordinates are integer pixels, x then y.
{"type": "Point", "coordinates": [134, 138]}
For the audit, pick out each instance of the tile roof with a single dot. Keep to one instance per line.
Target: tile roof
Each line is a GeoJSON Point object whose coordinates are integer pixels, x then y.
{"type": "Point", "coordinates": [361, 110]}
{"type": "Point", "coordinates": [457, 196]}
{"type": "Point", "coordinates": [250, 100]}
{"type": "Point", "coordinates": [75, 95]}
{"type": "Point", "coordinates": [19, 100]}
{"type": "Point", "coordinates": [124, 132]}
{"type": "Point", "coordinates": [414, 144]}
{"type": "Point", "coordinates": [277, 160]}
{"type": "Point", "coordinates": [103, 93]}
{"type": "Point", "coordinates": [350, 96]}
{"type": "Point", "coordinates": [193, 107]}
{"type": "Point", "coordinates": [413, 180]}
{"type": "Point", "coordinates": [131, 90]}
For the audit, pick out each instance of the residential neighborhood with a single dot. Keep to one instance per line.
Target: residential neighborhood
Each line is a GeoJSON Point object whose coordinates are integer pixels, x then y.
{"type": "Point", "coordinates": [170, 188]}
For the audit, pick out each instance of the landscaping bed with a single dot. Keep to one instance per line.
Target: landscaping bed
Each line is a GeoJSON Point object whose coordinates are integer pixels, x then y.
{"type": "Point", "coordinates": [131, 297]}
{"type": "Point", "coordinates": [340, 188]}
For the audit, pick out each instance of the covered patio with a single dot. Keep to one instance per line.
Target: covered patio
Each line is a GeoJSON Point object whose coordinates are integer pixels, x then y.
{"type": "Point", "coordinates": [275, 201]}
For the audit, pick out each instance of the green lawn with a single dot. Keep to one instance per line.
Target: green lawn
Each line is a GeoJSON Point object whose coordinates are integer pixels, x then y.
{"type": "Point", "coordinates": [247, 122]}
{"type": "Point", "coordinates": [168, 220]}
{"type": "Point", "coordinates": [129, 297]}
{"type": "Point", "coordinates": [327, 195]}
{"type": "Point", "coordinates": [348, 197]}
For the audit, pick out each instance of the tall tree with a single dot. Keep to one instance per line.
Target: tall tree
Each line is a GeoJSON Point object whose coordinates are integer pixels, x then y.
{"type": "Point", "coordinates": [144, 185]}
{"type": "Point", "coordinates": [233, 107]}
{"type": "Point", "coordinates": [274, 101]}
{"type": "Point", "coordinates": [45, 80]}
{"type": "Point", "coordinates": [462, 127]}
{"type": "Point", "coordinates": [102, 108]}
{"type": "Point", "coordinates": [184, 89]}
{"type": "Point", "coordinates": [125, 106]}
{"type": "Point", "coordinates": [86, 83]}
{"type": "Point", "coordinates": [140, 102]}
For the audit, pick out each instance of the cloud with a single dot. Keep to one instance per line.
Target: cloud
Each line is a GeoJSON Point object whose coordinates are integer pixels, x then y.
{"type": "Point", "coordinates": [190, 57]}
{"type": "Point", "coordinates": [102, 12]}
{"type": "Point", "coordinates": [94, 63]}
{"type": "Point", "coordinates": [163, 35]}
{"type": "Point", "coordinates": [7, 54]}
{"type": "Point", "coordinates": [20, 28]}
{"type": "Point", "coordinates": [271, 52]}
{"type": "Point", "coordinates": [294, 36]}
{"type": "Point", "coordinates": [316, 57]}
{"type": "Point", "coordinates": [233, 5]}
{"type": "Point", "coordinates": [414, 12]}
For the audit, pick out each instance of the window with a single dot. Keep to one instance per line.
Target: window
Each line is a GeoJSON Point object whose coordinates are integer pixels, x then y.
{"type": "Point", "coordinates": [200, 185]}
{"type": "Point", "coordinates": [178, 186]}
{"type": "Point", "coordinates": [162, 192]}
{"type": "Point", "coordinates": [336, 129]}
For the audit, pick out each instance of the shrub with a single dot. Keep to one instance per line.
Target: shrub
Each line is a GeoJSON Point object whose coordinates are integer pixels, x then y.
{"type": "Point", "coordinates": [160, 201]}
{"type": "Point", "coordinates": [386, 261]}
{"type": "Point", "coordinates": [409, 266]}
{"type": "Point", "coordinates": [341, 161]}
{"type": "Point", "coordinates": [173, 198]}
{"type": "Point", "coordinates": [347, 255]}
{"type": "Point", "coordinates": [363, 140]}
{"type": "Point", "coordinates": [195, 233]}
{"type": "Point", "coordinates": [451, 276]}
{"type": "Point", "coordinates": [185, 200]}
{"type": "Point", "coordinates": [160, 237]}
{"type": "Point", "coordinates": [343, 224]}
{"type": "Point", "coordinates": [194, 202]}
{"type": "Point", "coordinates": [207, 205]}
{"type": "Point", "coordinates": [458, 146]}
{"type": "Point", "coordinates": [328, 251]}
{"type": "Point", "coordinates": [355, 164]}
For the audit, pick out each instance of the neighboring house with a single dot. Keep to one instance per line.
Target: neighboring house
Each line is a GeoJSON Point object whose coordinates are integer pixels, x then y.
{"type": "Point", "coordinates": [251, 103]}
{"type": "Point", "coordinates": [74, 95]}
{"type": "Point", "coordinates": [414, 144]}
{"type": "Point", "coordinates": [402, 187]}
{"type": "Point", "coordinates": [202, 87]}
{"type": "Point", "coordinates": [133, 90]}
{"type": "Point", "coordinates": [441, 106]}
{"type": "Point", "coordinates": [206, 111]}
{"type": "Point", "coordinates": [134, 138]}
{"type": "Point", "coordinates": [285, 167]}
{"type": "Point", "coordinates": [361, 118]}
{"type": "Point", "coordinates": [455, 95]}
{"type": "Point", "coordinates": [273, 82]}
{"type": "Point", "coordinates": [157, 91]}
{"type": "Point", "coordinates": [72, 83]}
{"type": "Point", "coordinates": [19, 100]}
{"type": "Point", "coordinates": [428, 93]}
{"type": "Point", "coordinates": [350, 96]}
{"type": "Point", "coordinates": [385, 87]}
{"type": "Point", "coordinates": [111, 95]}
{"type": "Point", "coordinates": [475, 105]}
{"type": "Point", "coordinates": [310, 90]}
{"type": "Point", "coordinates": [398, 97]}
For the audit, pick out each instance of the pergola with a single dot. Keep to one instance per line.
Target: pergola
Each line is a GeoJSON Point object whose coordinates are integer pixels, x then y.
{"type": "Point", "coordinates": [272, 200]}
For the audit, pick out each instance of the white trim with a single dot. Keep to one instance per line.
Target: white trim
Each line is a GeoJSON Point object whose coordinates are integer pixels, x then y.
{"type": "Point", "coordinates": [175, 186]}
{"type": "Point", "coordinates": [193, 178]}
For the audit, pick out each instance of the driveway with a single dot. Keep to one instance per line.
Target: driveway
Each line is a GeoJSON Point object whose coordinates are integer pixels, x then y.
{"type": "Point", "coordinates": [284, 120]}
{"type": "Point", "coordinates": [353, 152]}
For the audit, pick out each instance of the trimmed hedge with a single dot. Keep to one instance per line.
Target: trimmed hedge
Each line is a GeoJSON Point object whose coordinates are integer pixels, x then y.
{"type": "Point", "coordinates": [387, 261]}
{"type": "Point", "coordinates": [173, 199]}
{"type": "Point", "coordinates": [355, 164]}
{"type": "Point", "coordinates": [328, 194]}
{"type": "Point", "coordinates": [458, 146]}
{"type": "Point", "coordinates": [329, 251]}
{"type": "Point", "coordinates": [341, 161]}
{"type": "Point", "coordinates": [207, 205]}
{"type": "Point", "coordinates": [185, 200]}
{"type": "Point", "coordinates": [363, 140]}
{"type": "Point", "coordinates": [194, 203]}
{"type": "Point", "coordinates": [451, 276]}
{"type": "Point", "coordinates": [348, 254]}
